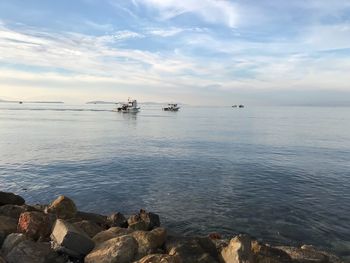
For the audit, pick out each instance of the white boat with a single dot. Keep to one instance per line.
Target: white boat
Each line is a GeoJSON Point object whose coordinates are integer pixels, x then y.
{"type": "Point", "coordinates": [171, 107]}
{"type": "Point", "coordinates": [129, 107]}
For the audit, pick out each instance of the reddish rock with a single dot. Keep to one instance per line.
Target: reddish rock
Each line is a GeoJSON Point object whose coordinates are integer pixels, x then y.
{"type": "Point", "coordinates": [63, 207]}
{"type": "Point", "coordinates": [35, 225]}
{"type": "Point", "coordinates": [10, 199]}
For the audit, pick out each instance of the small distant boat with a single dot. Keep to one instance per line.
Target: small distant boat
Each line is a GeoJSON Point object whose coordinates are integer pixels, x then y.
{"type": "Point", "coordinates": [129, 107]}
{"type": "Point", "coordinates": [241, 106]}
{"type": "Point", "coordinates": [234, 106]}
{"type": "Point", "coordinates": [171, 107]}
{"type": "Point", "coordinates": [21, 102]}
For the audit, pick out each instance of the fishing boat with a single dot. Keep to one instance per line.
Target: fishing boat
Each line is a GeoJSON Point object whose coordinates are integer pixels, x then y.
{"type": "Point", "coordinates": [129, 107]}
{"type": "Point", "coordinates": [171, 107]}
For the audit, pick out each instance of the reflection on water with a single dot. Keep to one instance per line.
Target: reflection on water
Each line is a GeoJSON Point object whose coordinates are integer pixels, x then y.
{"type": "Point", "coordinates": [281, 174]}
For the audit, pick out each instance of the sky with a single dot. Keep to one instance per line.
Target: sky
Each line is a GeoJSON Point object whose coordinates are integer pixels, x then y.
{"type": "Point", "coordinates": [199, 52]}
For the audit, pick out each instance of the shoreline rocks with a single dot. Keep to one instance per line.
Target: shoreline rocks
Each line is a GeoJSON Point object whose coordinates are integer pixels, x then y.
{"type": "Point", "coordinates": [59, 233]}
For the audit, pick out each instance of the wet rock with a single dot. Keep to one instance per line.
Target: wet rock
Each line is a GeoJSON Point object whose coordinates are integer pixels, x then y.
{"type": "Point", "coordinates": [36, 225]}
{"type": "Point", "coordinates": [138, 226]}
{"type": "Point", "coordinates": [192, 250]}
{"type": "Point", "coordinates": [39, 207]}
{"type": "Point", "coordinates": [238, 250]}
{"type": "Point", "coordinates": [160, 258]}
{"type": "Point", "coordinates": [119, 250]}
{"type": "Point", "coordinates": [331, 258]}
{"type": "Point", "coordinates": [117, 219]}
{"type": "Point", "coordinates": [89, 227]}
{"type": "Point", "coordinates": [29, 251]}
{"type": "Point", "coordinates": [110, 233]}
{"type": "Point", "coordinates": [308, 254]}
{"type": "Point", "coordinates": [63, 207]}
{"type": "Point", "coordinates": [15, 211]}
{"type": "Point", "coordinates": [100, 220]}
{"type": "Point", "coordinates": [70, 240]}
{"type": "Point", "coordinates": [11, 241]}
{"type": "Point", "coordinates": [10, 199]}
{"type": "Point", "coordinates": [149, 242]}
{"type": "Point", "coordinates": [8, 225]}
{"type": "Point", "coordinates": [266, 254]}
{"type": "Point", "coordinates": [2, 260]}
{"type": "Point", "coordinates": [151, 220]}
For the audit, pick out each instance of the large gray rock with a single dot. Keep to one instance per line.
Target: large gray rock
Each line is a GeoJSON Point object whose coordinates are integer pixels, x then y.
{"type": "Point", "coordinates": [63, 207]}
{"type": "Point", "coordinates": [70, 240]}
{"type": "Point", "coordinates": [89, 227]}
{"type": "Point", "coordinates": [15, 211]}
{"type": "Point", "coordinates": [116, 250]}
{"type": "Point", "coordinates": [239, 250]}
{"type": "Point", "coordinates": [149, 242]}
{"type": "Point", "coordinates": [36, 225]}
{"type": "Point", "coordinates": [192, 249]}
{"type": "Point", "coordinates": [10, 199]}
{"type": "Point", "coordinates": [11, 241]}
{"type": "Point", "coordinates": [110, 233]}
{"type": "Point", "coordinates": [160, 258]}
{"type": "Point", "coordinates": [29, 251]}
{"type": "Point", "coordinates": [8, 225]}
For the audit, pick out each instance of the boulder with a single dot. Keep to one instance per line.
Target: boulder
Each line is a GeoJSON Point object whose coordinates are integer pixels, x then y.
{"type": "Point", "coordinates": [308, 254]}
{"type": "Point", "coordinates": [10, 199]}
{"type": "Point", "coordinates": [100, 220]}
{"type": "Point", "coordinates": [149, 242]}
{"type": "Point", "coordinates": [151, 220]}
{"type": "Point", "coordinates": [192, 249]}
{"type": "Point", "coordinates": [29, 251]}
{"type": "Point", "coordinates": [11, 241]}
{"type": "Point", "coordinates": [8, 225]}
{"type": "Point", "coordinates": [160, 258]}
{"type": "Point", "coordinates": [138, 226]}
{"type": "Point", "coordinates": [117, 219]}
{"type": "Point", "coordinates": [116, 250]}
{"type": "Point", "coordinates": [266, 254]}
{"type": "Point", "coordinates": [15, 211]}
{"type": "Point", "coordinates": [36, 225]}
{"type": "Point", "coordinates": [70, 240]}
{"type": "Point", "coordinates": [2, 260]}
{"type": "Point", "coordinates": [238, 250]}
{"type": "Point", "coordinates": [110, 233]}
{"type": "Point", "coordinates": [89, 227]}
{"type": "Point", "coordinates": [63, 207]}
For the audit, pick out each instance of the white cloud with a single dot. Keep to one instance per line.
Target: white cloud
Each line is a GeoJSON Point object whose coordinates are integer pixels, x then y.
{"type": "Point", "coordinates": [212, 11]}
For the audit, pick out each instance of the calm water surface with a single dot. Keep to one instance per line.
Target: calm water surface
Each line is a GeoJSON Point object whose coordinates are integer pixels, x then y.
{"type": "Point", "coordinates": [281, 174]}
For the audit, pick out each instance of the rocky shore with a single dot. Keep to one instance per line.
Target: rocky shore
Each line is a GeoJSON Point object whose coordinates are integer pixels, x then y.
{"type": "Point", "coordinates": [59, 233]}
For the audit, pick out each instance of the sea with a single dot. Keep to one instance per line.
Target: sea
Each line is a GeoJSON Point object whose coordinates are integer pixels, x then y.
{"type": "Point", "coordinates": [280, 174]}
